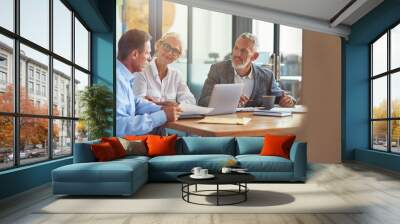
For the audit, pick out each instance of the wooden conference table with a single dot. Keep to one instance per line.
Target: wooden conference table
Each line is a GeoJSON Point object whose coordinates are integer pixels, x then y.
{"type": "Point", "coordinates": [258, 125]}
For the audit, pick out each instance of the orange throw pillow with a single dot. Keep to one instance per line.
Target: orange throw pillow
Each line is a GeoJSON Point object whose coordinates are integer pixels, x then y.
{"type": "Point", "coordinates": [116, 145]}
{"type": "Point", "coordinates": [103, 152]}
{"type": "Point", "coordinates": [142, 138]}
{"type": "Point", "coordinates": [277, 145]}
{"type": "Point", "coordinates": [160, 146]}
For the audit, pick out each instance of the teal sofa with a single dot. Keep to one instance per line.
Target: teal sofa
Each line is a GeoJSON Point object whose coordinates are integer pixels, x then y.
{"type": "Point", "coordinates": [125, 176]}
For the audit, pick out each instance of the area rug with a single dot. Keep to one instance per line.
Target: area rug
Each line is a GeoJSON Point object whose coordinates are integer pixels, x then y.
{"type": "Point", "coordinates": [166, 198]}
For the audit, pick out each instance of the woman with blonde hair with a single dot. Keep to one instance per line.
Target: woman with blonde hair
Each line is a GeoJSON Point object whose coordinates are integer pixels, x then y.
{"type": "Point", "coordinates": [159, 82]}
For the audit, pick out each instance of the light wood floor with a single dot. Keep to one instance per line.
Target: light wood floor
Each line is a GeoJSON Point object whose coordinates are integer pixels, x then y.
{"type": "Point", "coordinates": [379, 189]}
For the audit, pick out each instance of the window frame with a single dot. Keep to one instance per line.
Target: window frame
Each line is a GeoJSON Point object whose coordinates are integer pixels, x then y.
{"type": "Point", "coordinates": [388, 74]}
{"type": "Point", "coordinates": [16, 115]}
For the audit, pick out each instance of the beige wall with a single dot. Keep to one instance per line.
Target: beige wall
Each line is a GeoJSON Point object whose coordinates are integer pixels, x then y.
{"type": "Point", "coordinates": [321, 93]}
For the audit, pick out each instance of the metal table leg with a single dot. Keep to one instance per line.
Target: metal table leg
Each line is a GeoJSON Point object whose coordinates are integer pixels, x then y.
{"type": "Point", "coordinates": [217, 194]}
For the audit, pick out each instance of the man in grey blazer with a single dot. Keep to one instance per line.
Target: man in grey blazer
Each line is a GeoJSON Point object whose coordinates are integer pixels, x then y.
{"type": "Point", "coordinates": [257, 81]}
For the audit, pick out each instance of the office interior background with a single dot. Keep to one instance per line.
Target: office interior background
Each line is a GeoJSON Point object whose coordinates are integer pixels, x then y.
{"type": "Point", "coordinates": [347, 82]}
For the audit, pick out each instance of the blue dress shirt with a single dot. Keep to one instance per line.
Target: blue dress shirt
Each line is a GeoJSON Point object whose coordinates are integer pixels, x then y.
{"type": "Point", "coordinates": [135, 116]}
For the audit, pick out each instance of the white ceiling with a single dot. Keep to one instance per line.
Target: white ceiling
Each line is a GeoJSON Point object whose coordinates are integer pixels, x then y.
{"type": "Point", "coordinates": [314, 15]}
{"type": "Point", "coordinates": [319, 9]}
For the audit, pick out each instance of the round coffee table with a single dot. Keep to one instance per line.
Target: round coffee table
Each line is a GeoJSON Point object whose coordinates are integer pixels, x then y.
{"type": "Point", "coordinates": [238, 179]}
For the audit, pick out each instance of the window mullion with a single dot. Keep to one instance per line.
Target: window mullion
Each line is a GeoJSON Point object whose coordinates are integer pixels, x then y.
{"type": "Point", "coordinates": [276, 57]}
{"type": "Point", "coordinates": [16, 83]}
{"type": "Point", "coordinates": [389, 106]}
{"type": "Point", "coordinates": [189, 46]}
{"type": "Point", "coordinates": [371, 89]}
{"type": "Point", "coordinates": [73, 81]}
{"type": "Point", "coordinates": [50, 81]}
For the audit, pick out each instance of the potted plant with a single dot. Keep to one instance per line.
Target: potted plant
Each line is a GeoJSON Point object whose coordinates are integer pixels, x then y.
{"type": "Point", "coordinates": [97, 103]}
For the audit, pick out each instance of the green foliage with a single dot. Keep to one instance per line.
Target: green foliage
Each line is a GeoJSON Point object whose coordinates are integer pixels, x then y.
{"type": "Point", "coordinates": [97, 104]}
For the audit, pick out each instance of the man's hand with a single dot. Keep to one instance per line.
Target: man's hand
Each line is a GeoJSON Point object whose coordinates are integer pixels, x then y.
{"type": "Point", "coordinates": [167, 103]}
{"type": "Point", "coordinates": [151, 99]}
{"type": "Point", "coordinates": [242, 101]}
{"type": "Point", "coordinates": [172, 112]}
{"type": "Point", "coordinates": [286, 101]}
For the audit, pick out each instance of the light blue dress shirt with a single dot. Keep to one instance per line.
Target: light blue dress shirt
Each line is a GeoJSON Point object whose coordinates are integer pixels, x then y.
{"type": "Point", "coordinates": [135, 116]}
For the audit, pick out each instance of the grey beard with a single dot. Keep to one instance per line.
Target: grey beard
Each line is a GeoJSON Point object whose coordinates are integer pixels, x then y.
{"type": "Point", "coordinates": [241, 66]}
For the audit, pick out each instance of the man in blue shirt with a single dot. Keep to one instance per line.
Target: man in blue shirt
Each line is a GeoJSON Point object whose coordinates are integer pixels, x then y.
{"type": "Point", "coordinates": [136, 116]}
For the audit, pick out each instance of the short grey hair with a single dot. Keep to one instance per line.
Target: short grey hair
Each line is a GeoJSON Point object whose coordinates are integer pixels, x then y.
{"type": "Point", "coordinates": [253, 38]}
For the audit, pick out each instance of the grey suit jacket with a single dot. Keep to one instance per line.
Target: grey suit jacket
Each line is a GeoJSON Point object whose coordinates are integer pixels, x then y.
{"type": "Point", "coordinates": [222, 73]}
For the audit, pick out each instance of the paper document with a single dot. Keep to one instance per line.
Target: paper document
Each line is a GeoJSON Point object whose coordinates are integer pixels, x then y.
{"type": "Point", "coordinates": [247, 109]}
{"type": "Point", "coordinates": [223, 120]}
{"type": "Point", "coordinates": [190, 109]}
{"type": "Point", "coordinates": [272, 113]}
{"type": "Point", "coordinates": [295, 109]}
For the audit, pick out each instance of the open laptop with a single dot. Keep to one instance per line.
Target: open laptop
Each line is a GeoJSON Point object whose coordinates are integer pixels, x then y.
{"type": "Point", "coordinates": [225, 98]}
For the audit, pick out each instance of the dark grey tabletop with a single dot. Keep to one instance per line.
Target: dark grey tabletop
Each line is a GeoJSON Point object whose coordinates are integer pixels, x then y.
{"type": "Point", "coordinates": [220, 178]}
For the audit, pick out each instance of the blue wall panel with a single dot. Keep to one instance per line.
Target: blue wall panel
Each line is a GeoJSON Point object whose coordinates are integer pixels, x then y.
{"type": "Point", "coordinates": [356, 82]}
{"type": "Point", "coordinates": [357, 99]}
{"type": "Point", "coordinates": [102, 58]}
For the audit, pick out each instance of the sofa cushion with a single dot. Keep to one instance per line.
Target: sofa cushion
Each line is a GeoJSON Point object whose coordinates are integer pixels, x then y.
{"type": "Point", "coordinates": [257, 163]}
{"type": "Point", "coordinates": [185, 163]}
{"type": "Point", "coordinates": [112, 171]}
{"type": "Point", "coordinates": [133, 157]}
{"type": "Point", "coordinates": [136, 147]}
{"type": "Point", "coordinates": [161, 145]}
{"type": "Point", "coordinates": [249, 145]}
{"type": "Point", "coordinates": [207, 145]}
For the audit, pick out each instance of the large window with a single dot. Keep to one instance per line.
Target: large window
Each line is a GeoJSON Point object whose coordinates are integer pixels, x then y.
{"type": "Point", "coordinates": [280, 49]}
{"type": "Point", "coordinates": [44, 63]}
{"type": "Point", "coordinates": [212, 43]}
{"type": "Point", "coordinates": [385, 92]}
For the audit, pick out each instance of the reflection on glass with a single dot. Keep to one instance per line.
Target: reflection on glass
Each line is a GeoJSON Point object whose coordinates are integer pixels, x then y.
{"type": "Point", "coordinates": [135, 14]}
{"type": "Point", "coordinates": [6, 74]}
{"type": "Point", "coordinates": [34, 96]}
{"type": "Point", "coordinates": [379, 98]}
{"type": "Point", "coordinates": [265, 34]}
{"type": "Point", "coordinates": [119, 28]}
{"type": "Point", "coordinates": [395, 47]}
{"type": "Point", "coordinates": [62, 29]}
{"type": "Point", "coordinates": [62, 89]}
{"type": "Point", "coordinates": [6, 142]}
{"type": "Point", "coordinates": [395, 136]}
{"type": "Point", "coordinates": [33, 139]}
{"type": "Point", "coordinates": [379, 56]}
{"type": "Point", "coordinates": [379, 135]}
{"type": "Point", "coordinates": [81, 45]}
{"type": "Point", "coordinates": [35, 21]}
{"type": "Point", "coordinates": [290, 45]}
{"type": "Point", "coordinates": [395, 95]}
{"type": "Point", "coordinates": [175, 20]}
{"type": "Point", "coordinates": [7, 14]}
{"type": "Point", "coordinates": [62, 138]}
{"type": "Point", "coordinates": [81, 131]}
{"type": "Point", "coordinates": [212, 43]}
{"type": "Point", "coordinates": [81, 81]}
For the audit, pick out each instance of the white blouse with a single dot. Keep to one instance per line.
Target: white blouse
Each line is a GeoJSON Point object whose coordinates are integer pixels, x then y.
{"type": "Point", "coordinates": [171, 88]}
